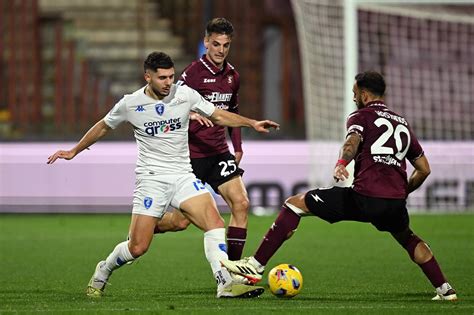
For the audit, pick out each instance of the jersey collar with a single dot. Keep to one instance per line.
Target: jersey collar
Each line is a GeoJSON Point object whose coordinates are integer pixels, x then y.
{"type": "Point", "coordinates": [376, 103]}
{"type": "Point", "coordinates": [212, 68]}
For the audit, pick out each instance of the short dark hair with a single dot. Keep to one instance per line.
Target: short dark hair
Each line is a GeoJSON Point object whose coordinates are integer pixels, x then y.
{"type": "Point", "coordinates": [371, 81]}
{"type": "Point", "coordinates": [157, 60]}
{"type": "Point", "coordinates": [219, 26]}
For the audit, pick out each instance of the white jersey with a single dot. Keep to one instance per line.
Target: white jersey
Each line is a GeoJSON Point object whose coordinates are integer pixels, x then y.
{"type": "Point", "coordinates": [160, 127]}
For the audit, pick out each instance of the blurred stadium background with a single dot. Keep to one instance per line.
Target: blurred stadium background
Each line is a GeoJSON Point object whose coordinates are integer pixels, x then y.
{"type": "Point", "coordinates": [63, 64]}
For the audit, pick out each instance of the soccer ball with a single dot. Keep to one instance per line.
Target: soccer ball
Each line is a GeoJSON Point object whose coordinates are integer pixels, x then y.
{"type": "Point", "coordinates": [285, 281]}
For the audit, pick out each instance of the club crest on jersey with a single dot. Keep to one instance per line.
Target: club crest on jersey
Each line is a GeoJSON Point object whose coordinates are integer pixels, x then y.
{"type": "Point", "coordinates": [160, 108]}
{"type": "Point", "coordinates": [147, 202]}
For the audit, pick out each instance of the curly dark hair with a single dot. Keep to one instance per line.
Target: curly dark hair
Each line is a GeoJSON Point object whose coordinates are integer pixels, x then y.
{"type": "Point", "coordinates": [371, 81]}
{"type": "Point", "coordinates": [157, 60]}
{"type": "Point", "coordinates": [219, 26]}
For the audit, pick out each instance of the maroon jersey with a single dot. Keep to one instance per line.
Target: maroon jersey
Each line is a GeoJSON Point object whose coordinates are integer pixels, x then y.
{"type": "Point", "coordinates": [220, 87]}
{"type": "Point", "coordinates": [387, 141]}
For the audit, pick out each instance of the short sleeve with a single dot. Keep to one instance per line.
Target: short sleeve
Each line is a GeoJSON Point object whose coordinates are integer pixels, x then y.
{"type": "Point", "coordinates": [199, 104]}
{"type": "Point", "coordinates": [116, 115]}
{"type": "Point", "coordinates": [415, 151]}
{"type": "Point", "coordinates": [355, 124]}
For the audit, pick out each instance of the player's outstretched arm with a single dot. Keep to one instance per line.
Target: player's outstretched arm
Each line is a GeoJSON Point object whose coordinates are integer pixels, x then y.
{"type": "Point", "coordinates": [420, 173]}
{"type": "Point", "coordinates": [225, 118]}
{"type": "Point", "coordinates": [347, 153]}
{"type": "Point", "coordinates": [200, 119]}
{"type": "Point", "coordinates": [91, 136]}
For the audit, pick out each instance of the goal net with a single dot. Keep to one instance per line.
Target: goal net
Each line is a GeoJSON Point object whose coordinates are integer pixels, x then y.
{"type": "Point", "coordinates": [423, 48]}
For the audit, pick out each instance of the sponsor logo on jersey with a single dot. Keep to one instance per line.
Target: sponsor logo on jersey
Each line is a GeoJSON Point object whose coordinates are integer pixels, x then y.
{"type": "Point", "coordinates": [218, 97]}
{"type": "Point", "coordinates": [140, 108]}
{"type": "Point", "coordinates": [163, 126]}
{"type": "Point", "coordinates": [206, 80]}
{"type": "Point", "coordinates": [222, 106]}
{"type": "Point", "coordinates": [386, 159]}
{"type": "Point", "coordinates": [160, 108]}
{"type": "Point", "coordinates": [147, 202]}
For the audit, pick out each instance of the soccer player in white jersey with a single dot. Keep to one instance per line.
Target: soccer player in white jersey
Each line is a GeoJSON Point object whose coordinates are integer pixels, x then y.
{"type": "Point", "coordinates": [159, 114]}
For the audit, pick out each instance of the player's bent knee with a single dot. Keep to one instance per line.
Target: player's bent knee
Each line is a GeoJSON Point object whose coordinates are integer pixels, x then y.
{"type": "Point", "coordinates": [294, 204]}
{"type": "Point", "coordinates": [244, 205]}
{"type": "Point", "coordinates": [240, 210]}
{"type": "Point", "coordinates": [182, 224]}
{"type": "Point", "coordinates": [422, 253]}
{"type": "Point", "coordinates": [137, 250]}
{"type": "Point", "coordinates": [240, 206]}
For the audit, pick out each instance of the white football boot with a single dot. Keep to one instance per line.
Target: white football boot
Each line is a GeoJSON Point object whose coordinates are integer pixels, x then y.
{"type": "Point", "coordinates": [227, 288]}
{"type": "Point", "coordinates": [247, 267]}
{"type": "Point", "coordinates": [445, 293]}
{"type": "Point", "coordinates": [96, 285]}
{"type": "Point", "coordinates": [239, 279]}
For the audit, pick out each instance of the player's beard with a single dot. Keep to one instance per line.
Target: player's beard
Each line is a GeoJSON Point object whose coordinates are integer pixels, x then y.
{"type": "Point", "coordinates": [158, 93]}
{"type": "Point", "coordinates": [359, 103]}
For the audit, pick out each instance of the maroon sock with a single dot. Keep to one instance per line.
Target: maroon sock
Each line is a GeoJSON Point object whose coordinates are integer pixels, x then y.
{"type": "Point", "coordinates": [430, 268]}
{"type": "Point", "coordinates": [235, 242]}
{"type": "Point", "coordinates": [433, 272]}
{"type": "Point", "coordinates": [286, 222]}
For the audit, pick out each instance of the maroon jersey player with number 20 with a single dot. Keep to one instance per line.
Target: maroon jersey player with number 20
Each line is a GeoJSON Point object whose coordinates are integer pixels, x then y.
{"type": "Point", "coordinates": [379, 141]}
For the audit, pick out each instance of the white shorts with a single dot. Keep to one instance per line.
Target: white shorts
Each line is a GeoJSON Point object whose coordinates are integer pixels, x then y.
{"type": "Point", "coordinates": [153, 194]}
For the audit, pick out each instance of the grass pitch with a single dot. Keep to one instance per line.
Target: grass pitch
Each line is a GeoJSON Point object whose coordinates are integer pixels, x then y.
{"type": "Point", "coordinates": [47, 260]}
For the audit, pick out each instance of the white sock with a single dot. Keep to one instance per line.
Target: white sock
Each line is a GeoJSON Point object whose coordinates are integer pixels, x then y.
{"type": "Point", "coordinates": [118, 257]}
{"type": "Point", "coordinates": [223, 278]}
{"type": "Point", "coordinates": [215, 248]}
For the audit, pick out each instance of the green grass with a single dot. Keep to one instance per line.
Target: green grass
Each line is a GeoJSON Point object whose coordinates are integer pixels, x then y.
{"type": "Point", "coordinates": [47, 260]}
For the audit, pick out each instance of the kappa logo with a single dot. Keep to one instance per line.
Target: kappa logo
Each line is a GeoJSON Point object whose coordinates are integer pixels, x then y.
{"type": "Point", "coordinates": [206, 80]}
{"type": "Point", "coordinates": [230, 79]}
{"type": "Point", "coordinates": [140, 108]}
